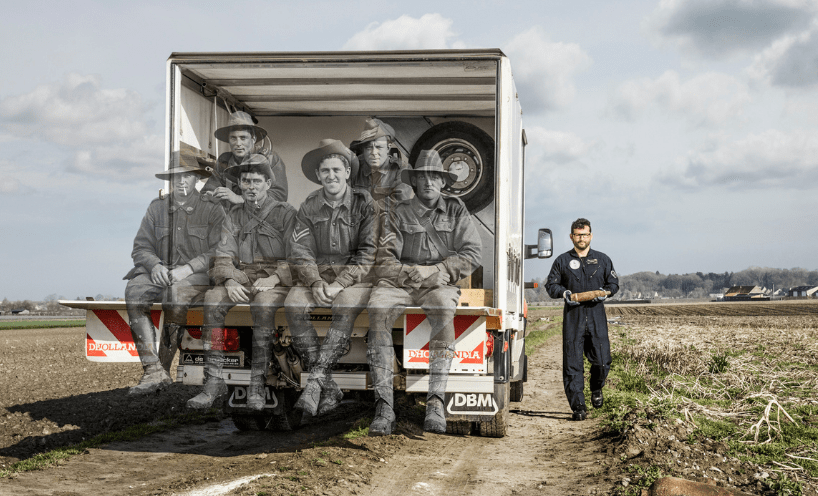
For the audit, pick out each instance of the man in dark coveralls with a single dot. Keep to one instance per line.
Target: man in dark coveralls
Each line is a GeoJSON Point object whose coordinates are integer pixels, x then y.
{"type": "Point", "coordinates": [332, 249]}
{"type": "Point", "coordinates": [250, 266]}
{"type": "Point", "coordinates": [171, 255]}
{"type": "Point", "coordinates": [428, 244]}
{"type": "Point", "coordinates": [242, 134]}
{"type": "Point", "coordinates": [584, 325]}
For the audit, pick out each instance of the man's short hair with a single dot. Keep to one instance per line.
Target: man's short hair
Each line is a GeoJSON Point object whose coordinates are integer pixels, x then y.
{"type": "Point", "coordinates": [334, 155]}
{"type": "Point", "coordinates": [580, 224]}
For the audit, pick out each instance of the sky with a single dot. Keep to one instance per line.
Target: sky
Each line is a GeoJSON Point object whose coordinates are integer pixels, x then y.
{"type": "Point", "coordinates": [685, 130]}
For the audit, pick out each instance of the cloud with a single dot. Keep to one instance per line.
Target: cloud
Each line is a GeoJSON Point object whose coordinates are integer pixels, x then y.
{"type": "Point", "coordinates": [771, 159]}
{"type": "Point", "coordinates": [791, 61]}
{"type": "Point", "coordinates": [545, 145]}
{"type": "Point", "coordinates": [720, 28]}
{"type": "Point", "coordinates": [706, 99]}
{"type": "Point", "coordinates": [406, 33]}
{"type": "Point", "coordinates": [107, 130]}
{"type": "Point", "coordinates": [9, 185]}
{"type": "Point", "coordinates": [544, 70]}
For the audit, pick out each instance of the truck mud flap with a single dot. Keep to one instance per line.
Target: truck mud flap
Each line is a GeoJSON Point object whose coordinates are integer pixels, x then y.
{"type": "Point", "coordinates": [477, 407]}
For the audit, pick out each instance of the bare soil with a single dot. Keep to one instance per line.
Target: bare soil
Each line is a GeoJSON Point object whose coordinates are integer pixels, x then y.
{"type": "Point", "coordinates": [51, 396]}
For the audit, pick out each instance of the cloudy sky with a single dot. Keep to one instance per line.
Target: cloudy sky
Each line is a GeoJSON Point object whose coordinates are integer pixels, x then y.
{"type": "Point", "coordinates": [686, 130]}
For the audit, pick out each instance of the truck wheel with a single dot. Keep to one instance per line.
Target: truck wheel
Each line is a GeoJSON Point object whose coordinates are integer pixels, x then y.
{"type": "Point", "coordinates": [460, 427]}
{"type": "Point", "coordinates": [516, 393]}
{"type": "Point", "coordinates": [468, 151]}
{"type": "Point", "coordinates": [248, 422]}
{"type": "Point", "coordinates": [498, 427]}
{"type": "Point", "coordinates": [290, 419]}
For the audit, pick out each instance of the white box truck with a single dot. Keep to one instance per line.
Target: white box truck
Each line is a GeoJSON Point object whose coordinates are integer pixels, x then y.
{"type": "Point", "coordinates": [462, 103]}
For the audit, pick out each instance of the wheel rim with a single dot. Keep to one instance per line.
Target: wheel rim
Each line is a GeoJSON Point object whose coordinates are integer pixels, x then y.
{"type": "Point", "coordinates": [460, 157]}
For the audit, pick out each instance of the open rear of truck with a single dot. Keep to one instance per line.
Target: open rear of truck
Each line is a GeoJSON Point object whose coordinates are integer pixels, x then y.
{"type": "Point", "coordinates": [464, 104]}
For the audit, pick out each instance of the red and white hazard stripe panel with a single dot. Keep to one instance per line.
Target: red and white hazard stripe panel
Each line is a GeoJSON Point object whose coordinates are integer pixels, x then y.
{"type": "Point", "coordinates": [108, 336]}
{"type": "Point", "coordinates": [470, 343]}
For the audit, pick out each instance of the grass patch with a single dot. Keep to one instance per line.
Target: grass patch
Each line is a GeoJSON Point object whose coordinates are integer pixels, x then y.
{"type": "Point", "coordinates": [541, 331]}
{"type": "Point", "coordinates": [132, 433]}
{"type": "Point", "coordinates": [40, 324]}
{"type": "Point", "coordinates": [359, 429]}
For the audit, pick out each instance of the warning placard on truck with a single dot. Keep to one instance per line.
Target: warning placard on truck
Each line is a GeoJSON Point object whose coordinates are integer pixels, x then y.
{"type": "Point", "coordinates": [470, 343]}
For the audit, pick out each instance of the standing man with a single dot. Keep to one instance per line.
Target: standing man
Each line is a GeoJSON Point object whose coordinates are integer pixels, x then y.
{"type": "Point", "coordinates": [250, 267]}
{"type": "Point", "coordinates": [242, 134]}
{"type": "Point", "coordinates": [171, 255]}
{"type": "Point", "coordinates": [584, 325]}
{"type": "Point", "coordinates": [427, 245]}
{"type": "Point", "coordinates": [332, 249]}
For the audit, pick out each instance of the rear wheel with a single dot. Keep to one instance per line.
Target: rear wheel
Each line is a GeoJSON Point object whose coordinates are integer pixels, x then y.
{"type": "Point", "coordinates": [498, 427]}
{"type": "Point", "coordinates": [248, 422]}
{"type": "Point", "coordinates": [460, 427]}
{"type": "Point", "coordinates": [516, 393]}
{"type": "Point", "coordinates": [290, 418]}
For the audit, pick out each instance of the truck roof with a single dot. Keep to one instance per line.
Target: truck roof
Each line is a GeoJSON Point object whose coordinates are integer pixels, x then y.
{"type": "Point", "coordinates": [405, 82]}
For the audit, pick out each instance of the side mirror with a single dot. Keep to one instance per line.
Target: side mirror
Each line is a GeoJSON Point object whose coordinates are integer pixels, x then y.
{"type": "Point", "coordinates": [543, 248]}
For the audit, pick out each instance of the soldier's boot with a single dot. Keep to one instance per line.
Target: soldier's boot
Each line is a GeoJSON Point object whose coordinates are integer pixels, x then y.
{"type": "Point", "coordinates": [214, 387]}
{"type": "Point", "coordinates": [335, 344]}
{"type": "Point", "coordinates": [381, 360]}
{"type": "Point", "coordinates": [308, 347]}
{"type": "Point", "coordinates": [154, 377]}
{"type": "Point", "coordinates": [441, 355]}
{"type": "Point", "coordinates": [168, 344]}
{"type": "Point", "coordinates": [262, 350]}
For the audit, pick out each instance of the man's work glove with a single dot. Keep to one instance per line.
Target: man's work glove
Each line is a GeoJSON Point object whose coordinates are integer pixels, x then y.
{"type": "Point", "coordinates": [567, 296]}
{"type": "Point", "coordinates": [600, 298]}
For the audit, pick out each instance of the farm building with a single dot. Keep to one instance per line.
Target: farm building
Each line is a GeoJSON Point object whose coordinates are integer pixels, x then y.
{"type": "Point", "coordinates": [804, 291]}
{"type": "Point", "coordinates": [744, 293]}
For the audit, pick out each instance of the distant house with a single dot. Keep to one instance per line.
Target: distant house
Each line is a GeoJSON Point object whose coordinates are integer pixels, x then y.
{"type": "Point", "coordinates": [745, 293]}
{"type": "Point", "coordinates": [803, 291]}
{"type": "Point", "coordinates": [20, 311]}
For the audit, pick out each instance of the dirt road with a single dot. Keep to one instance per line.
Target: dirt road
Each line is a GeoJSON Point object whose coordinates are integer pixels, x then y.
{"type": "Point", "coordinates": [544, 453]}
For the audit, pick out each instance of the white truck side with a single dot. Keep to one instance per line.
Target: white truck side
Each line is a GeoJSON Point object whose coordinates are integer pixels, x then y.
{"type": "Point", "coordinates": [464, 104]}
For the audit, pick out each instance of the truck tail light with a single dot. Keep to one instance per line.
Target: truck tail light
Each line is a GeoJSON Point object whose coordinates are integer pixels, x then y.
{"type": "Point", "coordinates": [489, 344]}
{"type": "Point", "coordinates": [195, 332]}
{"type": "Point", "coordinates": [225, 339]}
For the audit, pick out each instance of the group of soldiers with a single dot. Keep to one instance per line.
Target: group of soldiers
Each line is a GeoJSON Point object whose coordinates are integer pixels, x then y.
{"type": "Point", "coordinates": [377, 235]}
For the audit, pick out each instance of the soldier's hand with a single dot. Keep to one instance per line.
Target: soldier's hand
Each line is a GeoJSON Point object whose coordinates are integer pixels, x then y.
{"type": "Point", "coordinates": [319, 293]}
{"type": "Point", "coordinates": [420, 273]}
{"type": "Point", "coordinates": [160, 275]}
{"type": "Point", "coordinates": [224, 193]}
{"type": "Point", "coordinates": [181, 273]}
{"type": "Point", "coordinates": [438, 278]}
{"type": "Point", "coordinates": [237, 292]}
{"type": "Point", "coordinates": [333, 290]}
{"type": "Point", "coordinates": [266, 283]}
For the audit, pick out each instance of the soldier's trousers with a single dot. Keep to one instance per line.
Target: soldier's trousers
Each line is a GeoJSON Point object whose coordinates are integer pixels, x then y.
{"type": "Point", "coordinates": [593, 343]}
{"type": "Point", "coordinates": [386, 304]}
{"type": "Point", "coordinates": [346, 307]}
{"type": "Point", "coordinates": [263, 306]}
{"type": "Point", "coordinates": [141, 293]}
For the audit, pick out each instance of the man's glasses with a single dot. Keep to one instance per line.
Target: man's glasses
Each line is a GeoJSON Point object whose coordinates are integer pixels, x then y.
{"type": "Point", "coordinates": [582, 236]}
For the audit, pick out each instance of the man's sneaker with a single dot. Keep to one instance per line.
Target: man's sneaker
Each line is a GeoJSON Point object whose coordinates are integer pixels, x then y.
{"type": "Point", "coordinates": [597, 399]}
{"type": "Point", "coordinates": [580, 415]}
{"type": "Point", "coordinates": [154, 379]}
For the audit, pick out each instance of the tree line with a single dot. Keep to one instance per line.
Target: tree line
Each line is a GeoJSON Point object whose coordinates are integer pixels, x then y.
{"type": "Point", "coordinates": [697, 285]}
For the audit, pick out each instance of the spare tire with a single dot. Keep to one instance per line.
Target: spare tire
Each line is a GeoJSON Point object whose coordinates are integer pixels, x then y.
{"type": "Point", "coordinates": [468, 151]}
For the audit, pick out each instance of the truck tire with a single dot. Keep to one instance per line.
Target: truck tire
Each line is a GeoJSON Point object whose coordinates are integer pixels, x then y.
{"type": "Point", "coordinates": [498, 426]}
{"type": "Point", "coordinates": [460, 427]}
{"type": "Point", "coordinates": [290, 419]}
{"type": "Point", "coordinates": [516, 393]}
{"type": "Point", "coordinates": [248, 422]}
{"type": "Point", "coordinates": [467, 150]}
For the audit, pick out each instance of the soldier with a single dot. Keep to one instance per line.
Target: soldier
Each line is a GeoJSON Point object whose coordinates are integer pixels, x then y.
{"type": "Point", "coordinates": [250, 266]}
{"type": "Point", "coordinates": [242, 134]}
{"type": "Point", "coordinates": [332, 249]}
{"type": "Point", "coordinates": [171, 254]}
{"type": "Point", "coordinates": [381, 164]}
{"type": "Point", "coordinates": [428, 245]}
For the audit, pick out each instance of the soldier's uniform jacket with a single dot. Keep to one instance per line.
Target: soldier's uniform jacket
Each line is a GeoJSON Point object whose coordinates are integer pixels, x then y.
{"type": "Point", "coordinates": [334, 244]}
{"type": "Point", "coordinates": [253, 243]}
{"type": "Point", "coordinates": [384, 183]}
{"type": "Point", "coordinates": [194, 227]}
{"type": "Point", "coordinates": [405, 242]}
{"type": "Point", "coordinates": [278, 190]}
{"type": "Point", "coordinates": [570, 272]}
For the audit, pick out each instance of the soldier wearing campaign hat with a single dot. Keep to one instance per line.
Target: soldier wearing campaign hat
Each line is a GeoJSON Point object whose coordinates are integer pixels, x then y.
{"type": "Point", "coordinates": [245, 139]}
{"type": "Point", "coordinates": [250, 266]}
{"type": "Point", "coordinates": [428, 244]}
{"type": "Point", "coordinates": [171, 254]}
{"type": "Point", "coordinates": [381, 163]}
{"type": "Point", "coordinates": [332, 250]}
